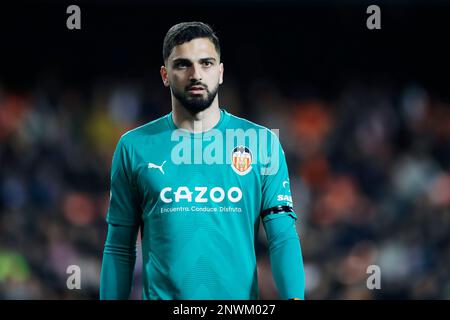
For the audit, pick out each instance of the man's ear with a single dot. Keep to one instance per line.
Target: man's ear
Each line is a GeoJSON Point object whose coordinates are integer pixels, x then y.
{"type": "Point", "coordinates": [164, 77]}
{"type": "Point", "coordinates": [221, 73]}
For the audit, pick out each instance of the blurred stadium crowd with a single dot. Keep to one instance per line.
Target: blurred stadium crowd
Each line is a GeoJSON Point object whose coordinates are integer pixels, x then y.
{"type": "Point", "coordinates": [369, 171]}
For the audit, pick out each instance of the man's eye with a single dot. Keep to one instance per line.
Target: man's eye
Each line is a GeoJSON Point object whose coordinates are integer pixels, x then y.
{"type": "Point", "coordinates": [181, 65]}
{"type": "Point", "coordinates": [207, 63]}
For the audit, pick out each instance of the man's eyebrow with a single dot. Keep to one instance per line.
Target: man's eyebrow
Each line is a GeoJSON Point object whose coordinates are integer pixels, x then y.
{"type": "Point", "coordinates": [178, 60]}
{"type": "Point", "coordinates": [207, 59]}
{"type": "Point", "coordinates": [185, 60]}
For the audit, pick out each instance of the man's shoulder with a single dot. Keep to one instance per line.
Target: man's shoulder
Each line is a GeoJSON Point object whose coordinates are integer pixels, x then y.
{"type": "Point", "coordinates": [239, 122]}
{"type": "Point", "coordinates": [146, 131]}
{"type": "Point", "coordinates": [245, 124]}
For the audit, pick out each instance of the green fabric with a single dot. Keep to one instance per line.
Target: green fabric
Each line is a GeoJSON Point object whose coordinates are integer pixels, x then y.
{"type": "Point", "coordinates": [198, 202]}
{"type": "Point", "coordinates": [286, 257]}
{"type": "Point", "coordinates": [119, 257]}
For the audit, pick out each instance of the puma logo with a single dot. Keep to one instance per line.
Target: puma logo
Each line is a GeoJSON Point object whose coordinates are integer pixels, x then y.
{"type": "Point", "coordinates": [154, 166]}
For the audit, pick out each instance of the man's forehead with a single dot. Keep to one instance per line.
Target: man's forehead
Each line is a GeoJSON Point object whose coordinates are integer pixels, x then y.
{"type": "Point", "coordinates": [199, 48]}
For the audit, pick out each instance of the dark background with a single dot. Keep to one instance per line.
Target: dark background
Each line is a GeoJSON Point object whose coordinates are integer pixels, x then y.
{"type": "Point", "coordinates": [306, 43]}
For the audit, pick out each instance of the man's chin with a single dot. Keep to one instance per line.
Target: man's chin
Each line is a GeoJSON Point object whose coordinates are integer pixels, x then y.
{"type": "Point", "coordinates": [196, 108]}
{"type": "Point", "coordinates": [195, 103]}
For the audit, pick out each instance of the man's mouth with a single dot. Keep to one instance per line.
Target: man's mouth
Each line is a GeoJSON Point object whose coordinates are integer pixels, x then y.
{"type": "Point", "coordinates": [196, 89]}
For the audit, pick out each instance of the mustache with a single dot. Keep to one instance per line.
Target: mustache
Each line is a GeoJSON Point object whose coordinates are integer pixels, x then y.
{"type": "Point", "coordinates": [203, 86]}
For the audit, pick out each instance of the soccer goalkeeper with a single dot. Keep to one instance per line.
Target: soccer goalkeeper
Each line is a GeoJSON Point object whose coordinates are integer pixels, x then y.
{"type": "Point", "coordinates": [196, 183]}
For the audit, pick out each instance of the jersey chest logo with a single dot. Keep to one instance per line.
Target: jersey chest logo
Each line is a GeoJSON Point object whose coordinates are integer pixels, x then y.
{"type": "Point", "coordinates": [241, 160]}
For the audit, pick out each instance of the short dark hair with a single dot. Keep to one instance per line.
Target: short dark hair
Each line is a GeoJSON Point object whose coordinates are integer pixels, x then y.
{"type": "Point", "coordinates": [185, 32]}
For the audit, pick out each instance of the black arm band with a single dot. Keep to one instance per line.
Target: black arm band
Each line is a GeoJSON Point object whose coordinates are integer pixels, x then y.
{"type": "Point", "coordinates": [277, 209]}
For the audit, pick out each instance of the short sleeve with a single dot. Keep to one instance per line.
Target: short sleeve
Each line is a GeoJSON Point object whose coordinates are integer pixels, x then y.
{"type": "Point", "coordinates": [276, 189]}
{"type": "Point", "coordinates": [123, 202]}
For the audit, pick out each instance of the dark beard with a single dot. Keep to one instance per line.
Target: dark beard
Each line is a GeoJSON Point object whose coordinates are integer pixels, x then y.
{"type": "Point", "coordinates": [195, 104]}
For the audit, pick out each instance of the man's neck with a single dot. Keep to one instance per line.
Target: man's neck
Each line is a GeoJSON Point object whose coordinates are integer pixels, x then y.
{"type": "Point", "coordinates": [200, 122]}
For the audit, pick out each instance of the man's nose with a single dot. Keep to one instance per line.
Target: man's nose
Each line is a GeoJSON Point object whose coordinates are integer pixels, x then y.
{"type": "Point", "coordinates": [195, 73]}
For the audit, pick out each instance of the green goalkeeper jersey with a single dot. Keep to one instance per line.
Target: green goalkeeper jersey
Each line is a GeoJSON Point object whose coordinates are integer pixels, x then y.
{"type": "Point", "coordinates": [198, 199]}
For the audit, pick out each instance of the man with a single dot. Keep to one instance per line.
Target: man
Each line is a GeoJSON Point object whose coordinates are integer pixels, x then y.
{"type": "Point", "coordinates": [196, 185]}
